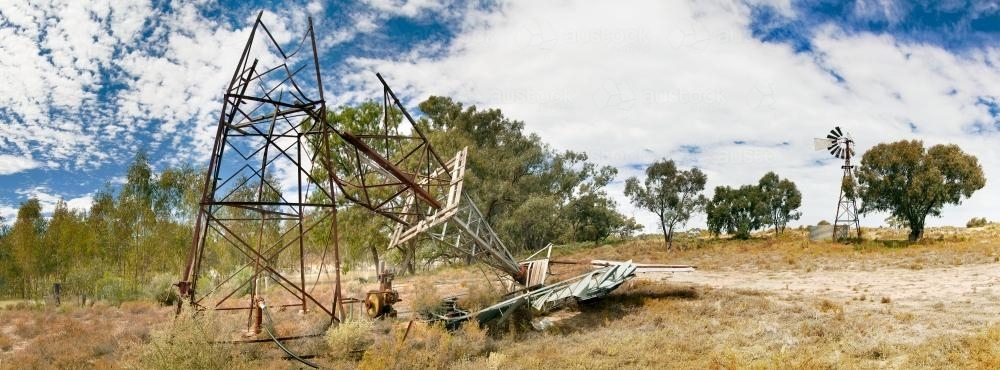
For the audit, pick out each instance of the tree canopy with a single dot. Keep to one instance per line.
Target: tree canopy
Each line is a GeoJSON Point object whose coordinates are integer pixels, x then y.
{"type": "Point", "coordinates": [128, 236]}
{"type": "Point", "coordinates": [781, 198]}
{"type": "Point", "coordinates": [673, 195]}
{"type": "Point", "coordinates": [531, 193]}
{"type": "Point", "coordinates": [736, 211]}
{"type": "Point", "coordinates": [911, 182]}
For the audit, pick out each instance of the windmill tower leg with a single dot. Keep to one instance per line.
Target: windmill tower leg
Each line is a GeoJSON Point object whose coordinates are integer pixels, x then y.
{"type": "Point", "coordinates": [847, 209]}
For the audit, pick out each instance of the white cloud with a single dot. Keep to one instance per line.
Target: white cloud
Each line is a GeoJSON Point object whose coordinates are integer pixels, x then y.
{"type": "Point", "coordinates": [637, 86]}
{"type": "Point", "coordinates": [314, 7]}
{"type": "Point", "coordinates": [411, 8]}
{"type": "Point", "coordinates": [48, 199]}
{"type": "Point", "coordinates": [55, 54]}
{"type": "Point", "coordinates": [81, 203]}
{"type": "Point", "coordinates": [44, 195]}
{"type": "Point", "coordinates": [628, 84]}
{"type": "Point", "coordinates": [8, 213]}
{"type": "Point", "coordinates": [10, 164]}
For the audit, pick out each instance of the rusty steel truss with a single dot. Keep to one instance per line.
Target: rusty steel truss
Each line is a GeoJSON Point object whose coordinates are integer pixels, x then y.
{"type": "Point", "coordinates": [268, 213]}
{"type": "Point", "coordinates": [265, 196]}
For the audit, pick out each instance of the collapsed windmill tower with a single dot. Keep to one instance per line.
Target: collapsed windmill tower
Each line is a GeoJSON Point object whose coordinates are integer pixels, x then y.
{"type": "Point", "coordinates": [280, 168]}
{"type": "Point", "coordinates": [841, 145]}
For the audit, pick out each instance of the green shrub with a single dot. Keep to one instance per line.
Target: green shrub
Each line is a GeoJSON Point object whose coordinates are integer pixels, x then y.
{"type": "Point", "coordinates": [114, 289]}
{"type": "Point", "coordinates": [976, 222]}
{"type": "Point", "coordinates": [161, 288]}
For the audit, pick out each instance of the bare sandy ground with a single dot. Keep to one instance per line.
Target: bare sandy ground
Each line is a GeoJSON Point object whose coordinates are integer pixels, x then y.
{"type": "Point", "coordinates": [947, 299]}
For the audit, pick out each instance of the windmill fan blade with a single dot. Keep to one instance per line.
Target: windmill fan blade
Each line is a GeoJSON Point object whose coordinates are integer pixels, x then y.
{"type": "Point", "coordinates": [833, 135]}
{"type": "Point", "coordinates": [833, 151]}
{"type": "Point", "coordinates": [834, 144]}
{"type": "Point", "coordinates": [839, 132]}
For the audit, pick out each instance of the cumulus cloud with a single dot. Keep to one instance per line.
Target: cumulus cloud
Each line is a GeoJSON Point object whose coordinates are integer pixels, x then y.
{"type": "Point", "coordinates": [87, 84]}
{"type": "Point", "coordinates": [10, 164]}
{"type": "Point", "coordinates": [688, 81]}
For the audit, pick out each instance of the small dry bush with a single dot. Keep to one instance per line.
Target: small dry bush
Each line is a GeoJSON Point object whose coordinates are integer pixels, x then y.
{"type": "Point", "coordinates": [428, 346]}
{"type": "Point", "coordinates": [479, 295]}
{"type": "Point", "coordinates": [425, 297]}
{"type": "Point", "coordinates": [27, 328]}
{"type": "Point", "coordinates": [6, 343]}
{"type": "Point", "coordinates": [515, 323]}
{"type": "Point", "coordinates": [827, 305]}
{"type": "Point", "coordinates": [349, 339]}
{"type": "Point", "coordinates": [192, 343]}
{"type": "Point", "coordinates": [137, 307]}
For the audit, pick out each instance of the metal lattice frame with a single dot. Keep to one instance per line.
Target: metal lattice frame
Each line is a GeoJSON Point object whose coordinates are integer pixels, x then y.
{"type": "Point", "coordinates": [847, 207]}
{"type": "Point", "coordinates": [384, 171]}
{"type": "Point", "coordinates": [262, 199]}
{"type": "Point", "coordinates": [458, 224]}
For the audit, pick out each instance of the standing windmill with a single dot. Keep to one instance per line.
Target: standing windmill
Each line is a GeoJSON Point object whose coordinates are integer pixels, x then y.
{"type": "Point", "coordinates": [841, 145]}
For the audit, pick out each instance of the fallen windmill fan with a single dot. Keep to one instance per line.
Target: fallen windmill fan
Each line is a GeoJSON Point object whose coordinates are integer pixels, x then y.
{"type": "Point", "coordinates": [837, 142]}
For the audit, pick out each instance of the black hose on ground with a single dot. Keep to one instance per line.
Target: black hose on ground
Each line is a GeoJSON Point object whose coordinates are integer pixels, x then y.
{"type": "Point", "coordinates": [267, 329]}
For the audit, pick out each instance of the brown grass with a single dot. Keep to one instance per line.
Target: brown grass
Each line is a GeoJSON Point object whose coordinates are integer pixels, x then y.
{"type": "Point", "coordinates": [643, 324]}
{"type": "Point", "coordinates": [425, 347]}
{"type": "Point", "coordinates": [71, 337]}
{"type": "Point", "coordinates": [941, 247]}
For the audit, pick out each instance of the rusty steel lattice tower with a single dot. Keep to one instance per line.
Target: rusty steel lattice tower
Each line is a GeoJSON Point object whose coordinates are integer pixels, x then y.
{"type": "Point", "coordinates": [265, 194]}
{"type": "Point", "coordinates": [841, 145]}
{"type": "Point", "coordinates": [266, 229]}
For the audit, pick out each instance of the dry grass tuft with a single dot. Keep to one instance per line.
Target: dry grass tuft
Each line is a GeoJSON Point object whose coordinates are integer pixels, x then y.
{"type": "Point", "coordinates": [479, 295]}
{"type": "Point", "coordinates": [426, 347]}
{"type": "Point", "coordinates": [138, 307]}
{"type": "Point", "coordinates": [976, 351]}
{"type": "Point", "coordinates": [192, 342]}
{"type": "Point", "coordinates": [350, 339]}
{"type": "Point", "coordinates": [425, 297]}
{"type": "Point", "coordinates": [6, 343]}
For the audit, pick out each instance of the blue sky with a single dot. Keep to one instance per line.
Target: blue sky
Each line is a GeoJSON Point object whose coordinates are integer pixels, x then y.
{"type": "Point", "coordinates": [736, 88]}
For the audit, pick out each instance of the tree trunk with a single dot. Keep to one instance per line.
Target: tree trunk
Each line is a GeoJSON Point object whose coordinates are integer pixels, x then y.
{"type": "Point", "coordinates": [916, 232]}
{"type": "Point", "coordinates": [410, 258]}
{"type": "Point", "coordinates": [670, 237]}
{"type": "Point", "coordinates": [374, 255]}
{"type": "Point", "coordinates": [666, 237]}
